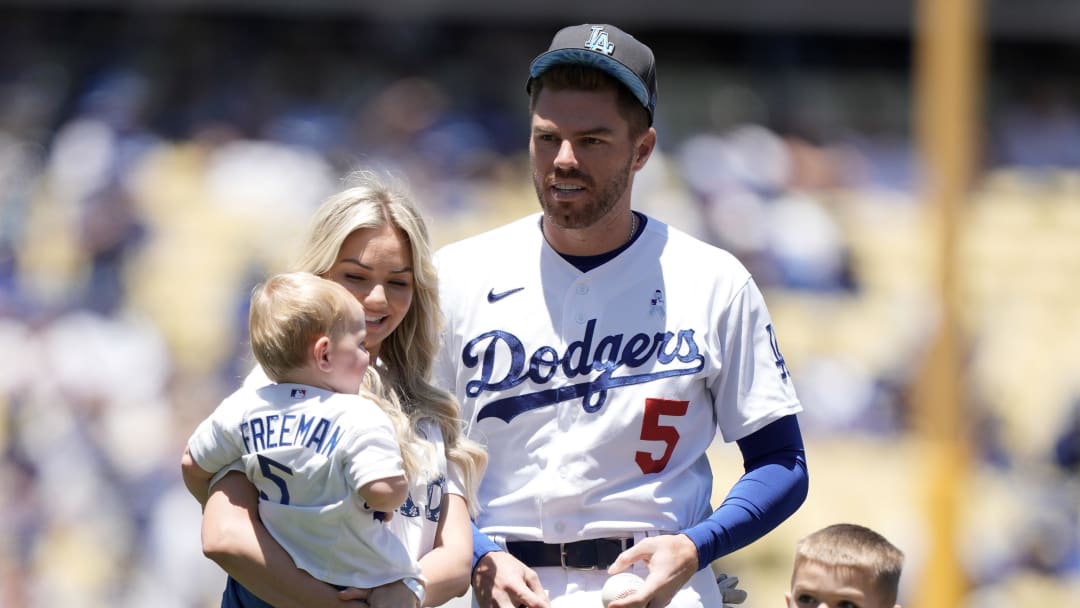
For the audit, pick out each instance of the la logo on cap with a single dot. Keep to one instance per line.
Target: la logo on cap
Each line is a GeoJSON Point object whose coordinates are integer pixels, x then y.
{"type": "Point", "coordinates": [598, 41]}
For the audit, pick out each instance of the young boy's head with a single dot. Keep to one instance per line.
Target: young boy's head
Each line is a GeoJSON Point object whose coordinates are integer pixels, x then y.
{"type": "Point", "coordinates": [845, 565]}
{"type": "Point", "coordinates": [308, 330]}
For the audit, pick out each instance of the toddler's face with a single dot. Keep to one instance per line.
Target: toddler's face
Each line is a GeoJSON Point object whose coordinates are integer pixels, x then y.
{"type": "Point", "coordinates": [349, 356]}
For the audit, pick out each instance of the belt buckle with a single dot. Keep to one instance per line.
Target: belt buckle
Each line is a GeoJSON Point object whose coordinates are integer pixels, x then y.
{"type": "Point", "coordinates": [562, 561]}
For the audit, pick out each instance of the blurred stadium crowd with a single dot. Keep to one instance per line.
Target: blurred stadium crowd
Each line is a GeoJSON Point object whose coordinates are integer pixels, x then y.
{"type": "Point", "coordinates": [152, 168]}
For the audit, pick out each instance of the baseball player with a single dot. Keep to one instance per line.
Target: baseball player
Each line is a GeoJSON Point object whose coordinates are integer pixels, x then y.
{"type": "Point", "coordinates": [325, 459]}
{"type": "Point", "coordinates": [596, 352]}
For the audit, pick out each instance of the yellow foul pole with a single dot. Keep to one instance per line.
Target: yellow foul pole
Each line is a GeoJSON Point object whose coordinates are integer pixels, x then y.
{"type": "Point", "coordinates": [948, 67]}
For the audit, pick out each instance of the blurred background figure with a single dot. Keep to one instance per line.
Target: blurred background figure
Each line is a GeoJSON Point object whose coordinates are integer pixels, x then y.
{"type": "Point", "coordinates": [155, 163]}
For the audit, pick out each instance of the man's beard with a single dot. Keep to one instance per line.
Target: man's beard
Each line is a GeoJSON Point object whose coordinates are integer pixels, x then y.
{"type": "Point", "coordinates": [593, 208]}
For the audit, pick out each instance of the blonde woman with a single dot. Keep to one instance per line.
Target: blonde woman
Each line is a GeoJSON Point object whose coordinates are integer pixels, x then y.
{"type": "Point", "coordinates": [371, 239]}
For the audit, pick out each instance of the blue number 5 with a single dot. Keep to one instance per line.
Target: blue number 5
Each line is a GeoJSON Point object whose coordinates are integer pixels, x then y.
{"type": "Point", "coordinates": [265, 465]}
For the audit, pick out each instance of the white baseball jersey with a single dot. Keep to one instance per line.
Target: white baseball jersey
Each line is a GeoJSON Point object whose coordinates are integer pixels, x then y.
{"type": "Point", "coordinates": [416, 522]}
{"type": "Point", "coordinates": [597, 393]}
{"type": "Point", "coordinates": [308, 451]}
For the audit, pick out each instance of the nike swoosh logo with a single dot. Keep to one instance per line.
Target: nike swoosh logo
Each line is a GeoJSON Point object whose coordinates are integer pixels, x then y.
{"type": "Point", "coordinates": [495, 297]}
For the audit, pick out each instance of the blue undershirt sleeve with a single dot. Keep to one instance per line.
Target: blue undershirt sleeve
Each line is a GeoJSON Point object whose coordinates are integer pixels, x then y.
{"type": "Point", "coordinates": [773, 487]}
{"type": "Point", "coordinates": [481, 545]}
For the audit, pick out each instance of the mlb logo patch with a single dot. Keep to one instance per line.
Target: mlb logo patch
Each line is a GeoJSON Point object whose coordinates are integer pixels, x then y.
{"type": "Point", "coordinates": [298, 393]}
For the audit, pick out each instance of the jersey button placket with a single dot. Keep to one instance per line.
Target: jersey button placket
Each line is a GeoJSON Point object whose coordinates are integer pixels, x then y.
{"type": "Point", "coordinates": [579, 302]}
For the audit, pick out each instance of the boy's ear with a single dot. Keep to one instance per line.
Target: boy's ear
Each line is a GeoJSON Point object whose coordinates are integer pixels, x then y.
{"type": "Point", "coordinates": [787, 599]}
{"type": "Point", "coordinates": [321, 352]}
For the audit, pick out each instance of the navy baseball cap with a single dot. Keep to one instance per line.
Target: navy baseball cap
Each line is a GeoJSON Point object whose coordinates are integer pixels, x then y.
{"type": "Point", "coordinates": [606, 48]}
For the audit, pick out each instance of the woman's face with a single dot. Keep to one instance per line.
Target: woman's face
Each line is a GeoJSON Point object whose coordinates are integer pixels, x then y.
{"type": "Point", "coordinates": [376, 266]}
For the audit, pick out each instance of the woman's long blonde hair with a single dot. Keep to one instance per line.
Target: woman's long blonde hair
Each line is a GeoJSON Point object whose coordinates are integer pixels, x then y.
{"type": "Point", "coordinates": [406, 356]}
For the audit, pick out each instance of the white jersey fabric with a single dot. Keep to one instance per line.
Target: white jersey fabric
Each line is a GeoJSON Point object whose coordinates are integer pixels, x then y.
{"type": "Point", "coordinates": [417, 521]}
{"type": "Point", "coordinates": [597, 393]}
{"type": "Point", "coordinates": [308, 451]}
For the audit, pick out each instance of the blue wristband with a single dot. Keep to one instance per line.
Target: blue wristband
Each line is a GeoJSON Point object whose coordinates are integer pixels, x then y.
{"type": "Point", "coordinates": [481, 545]}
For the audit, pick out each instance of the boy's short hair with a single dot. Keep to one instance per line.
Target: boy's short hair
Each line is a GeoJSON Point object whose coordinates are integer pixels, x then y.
{"type": "Point", "coordinates": [856, 547]}
{"type": "Point", "coordinates": [288, 313]}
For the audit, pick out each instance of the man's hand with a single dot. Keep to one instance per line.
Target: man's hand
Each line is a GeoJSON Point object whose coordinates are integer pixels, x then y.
{"type": "Point", "coordinates": [672, 560]}
{"type": "Point", "coordinates": [390, 595]}
{"type": "Point", "coordinates": [501, 581]}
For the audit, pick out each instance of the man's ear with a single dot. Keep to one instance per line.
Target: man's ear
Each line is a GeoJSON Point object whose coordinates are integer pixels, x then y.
{"type": "Point", "coordinates": [645, 146]}
{"type": "Point", "coordinates": [321, 353]}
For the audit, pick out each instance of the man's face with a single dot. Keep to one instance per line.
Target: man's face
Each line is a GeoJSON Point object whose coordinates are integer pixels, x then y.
{"type": "Point", "coordinates": [582, 156]}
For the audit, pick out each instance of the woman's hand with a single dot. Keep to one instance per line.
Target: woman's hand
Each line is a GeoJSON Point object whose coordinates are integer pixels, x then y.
{"type": "Point", "coordinates": [390, 595]}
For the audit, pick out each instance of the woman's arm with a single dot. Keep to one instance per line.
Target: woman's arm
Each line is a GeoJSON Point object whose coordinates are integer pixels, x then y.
{"type": "Point", "coordinates": [447, 567]}
{"type": "Point", "coordinates": [235, 538]}
{"type": "Point", "coordinates": [195, 477]}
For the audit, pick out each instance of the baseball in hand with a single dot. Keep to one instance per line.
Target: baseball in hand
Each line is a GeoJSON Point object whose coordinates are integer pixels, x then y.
{"type": "Point", "coordinates": [619, 586]}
